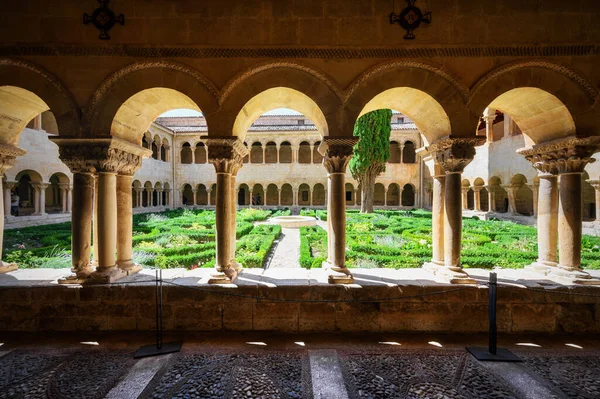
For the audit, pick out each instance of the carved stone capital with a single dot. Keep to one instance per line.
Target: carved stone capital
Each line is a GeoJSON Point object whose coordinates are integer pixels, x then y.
{"type": "Point", "coordinates": [337, 153]}
{"type": "Point", "coordinates": [10, 185]}
{"type": "Point", "coordinates": [8, 154]}
{"type": "Point", "coordinates": [101, 155]}
{"type": "Point", "coordinates": [568, 155]}
{"type": "Point", "coordinates": [593, 183]}
{"type": "Point", "coordinates": [454, 154]}
{"type": "Point", "coordinates": [477, 188]}
{"type": "Point", "coordinates": [226, 154]}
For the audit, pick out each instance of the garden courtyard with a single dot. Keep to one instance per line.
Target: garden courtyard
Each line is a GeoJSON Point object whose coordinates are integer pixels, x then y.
{"type": "Point", "coordinates": [383, 239]}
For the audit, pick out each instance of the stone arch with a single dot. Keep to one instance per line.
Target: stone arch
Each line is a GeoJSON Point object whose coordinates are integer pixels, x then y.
{"type": "Point", "coordinates": [27, 90]}
{"type": "Point", "coordinates": [243, 195]}
{"type": "Point", "coordinates": [272, 196]}
{"type": "Point", "coordinates": [280, 85]}
{"type": "Point", "coordinates": [304, 195]}
{"type": "Point", "coordinates": [285, 152]}
{"type": "Point", "coordinates": [256, 152]}
{"type": "Point", "coordinates": [212, 194]}
{"type": "Point", "coordinates": [478, 184]}
{"type": "Point", "coordinates": [287, 194]}
{"type": "Point", "coordinates": [304, 152]}
{"type": "Point", "coordinates": [546, 100]}
{"type": "Point", "coordinates": [409, 154]}
{"type": "Point", "coordinates": [166, 198]}
{"type": "Point", "coordinates": [156, 193]}
{"type": "Point", "coordinates": [258, 195]}
{"type": "Point", "coordinates": [500, 194]}
{"type": "Point", "coordinates": [524, 195]}
{"type": "Point", "coordinates": [130, 99]}
{"type": "Point", "coordinates": [350, 196]}
{"type": "Point", "coordinates": [187, 195]}
{"type": "Point", "coordinates": [164, 150]}
{"type": "Point", "coordinates": [54, 192]}
{"type": "Point", "coordinates": [200, 154]}
{"type": "Point", "coordinates": [271, 152]}
{"type": "Point", "coordinates": [201, 195]}
{"type": "Point", "coordinates": [393, 195]}
{"type": "Point", "coordinates": [318, 195]}
{"type": "Point", "coordinates": [186, 153]}
{"type": "Point", "coordinates": [408, 195]}
{"type": "Point", "coordinates": [155, 144]}
{"type": "Point", "coordinates": [25, 190]}
{"type": "Point", "coordinates": [135, 187]}
{"type": "Point", "coordinates": [395, 153]}
{"type": "Point", "coordinates": [424, 93]}
{"type": "Point", "coordinates": [379, 194]}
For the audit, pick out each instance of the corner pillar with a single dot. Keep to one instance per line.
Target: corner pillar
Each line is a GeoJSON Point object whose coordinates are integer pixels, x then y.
{"type": "Point", "coordinates": [8, 155]}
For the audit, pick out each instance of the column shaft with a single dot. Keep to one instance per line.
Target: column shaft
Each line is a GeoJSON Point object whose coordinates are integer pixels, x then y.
{"type": "Point", "coordinates": [81, 223]}
{"type": "Point", "coordinates": [7, 202]}
{"type": "Point", "coordinates": [125, 226]}
{"type": "Point", "coordinates": [63, 194]}
{"type": "Point", "coordinates": [547, 221]}
{"type": "Point", "coordinates": [95, 222]}
{"type": "Point", "coordinates": [437, 219]}
{"type": "Point", "coordinates": [231, 200]}
{"type": "Point", "coordinates": [597, 190]}
{"type": "Point", "coordinates": [338, 219]}
{"type": "Point", "coordinates": [452, 221]}
{"type": "Point", "coordinates": [477, 199]}
{"type": "Point", "coordinates": [569, 221]}
{"type": "Point", "coordinates": [36, 200]}
{"type": "Point", "coordinates": [42, 198]}
{"type": "Point", "coordinates": [223, 221]}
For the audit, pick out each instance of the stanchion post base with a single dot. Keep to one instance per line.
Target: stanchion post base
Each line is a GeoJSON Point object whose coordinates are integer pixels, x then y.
{"type": "Point", "coordinates": [502, 355]}
{"type": "Point", "coordinates": [153, 350]}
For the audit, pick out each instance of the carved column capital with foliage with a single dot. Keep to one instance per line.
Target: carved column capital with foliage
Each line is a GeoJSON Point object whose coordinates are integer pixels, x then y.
{"type": "Point", "coordinates": [226, 154]}
{"type": "Point", "coordinates": [8, 155]}
{"type": "Point", "coordinates": [568, 155]}
{"type": "Point", "coordinates": [454, 154]}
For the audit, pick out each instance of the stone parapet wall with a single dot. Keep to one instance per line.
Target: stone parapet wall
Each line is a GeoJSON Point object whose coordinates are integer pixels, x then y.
{"type": "Point", "coordinates": [335, 308]}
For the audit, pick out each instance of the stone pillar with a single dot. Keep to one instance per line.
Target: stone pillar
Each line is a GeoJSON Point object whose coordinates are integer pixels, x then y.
{"type": "Point", "coordinates": [453, 155]}
{"type": "Point", "coordinates": [489, 115]}
{"type": "Point", "coordinates": [596, 185]}
{"type": "Point", "coordinates": [477, 198]}
{"type": "Point", "coordinates": [195, 196]}
{"type": "Point", "coordinates": [401, 152]}
{"type": "Point", "coordinates": [400, 197]}
{"type": "Point", "coordinates": [8, 155]}
{"type": "Point", "coordinates": [125, 226]}
{"type": "Point", "coordinates": [567, 157]}
{"type": "Point", "coordinates": [36, 198]}
{"type": "Point", "coordinates": [511, 191]}
{"type": "Point", "coordinates": [264, 151]}
{"type": "Point", "coordinates": [42, 197]}
{"type": "Point", "coordinates": [491, 198]}
{"type": "Point", "coordinates": [385, 196]}
{"type": "Point", "coordinates": [278, 148]}
{"type": "Point", "coordinates": [251, 198]}
{"type": "Point", "coordinates": [226, 154]}
{"type": "Point", "coordinates": [8, 187]}
{"type": "Point", "coordinates": [312, 150]}
{"type": "Point", "coordinates": [233, 210]}
{"type": "Point", "coordinates": [95, 223]}
{"type": "Point", "coordinates": [279, 197]}
{"type": "Point", "coordinates": [437, 221]}
{"type": "Point", "coordinates": [149, 197]}
{"type": "Point", "coordinates": [547, 222]}
{"type": "Point", "coordinates": [337, 154]}
{"type": "Point", "coordinates": [138, 197]}
{"type": "Point", "coordinates": [69, 194]}
{"type": "Point", "coordinates": [534, 189]}
{"type": "Point", "coordinates": [465, 196]}
{"type": "Point", "coordinates": [295, 199]}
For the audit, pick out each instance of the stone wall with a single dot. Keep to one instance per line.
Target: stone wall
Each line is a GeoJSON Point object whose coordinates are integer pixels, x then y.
{"type": "Point", "coordinates": [132, 307]}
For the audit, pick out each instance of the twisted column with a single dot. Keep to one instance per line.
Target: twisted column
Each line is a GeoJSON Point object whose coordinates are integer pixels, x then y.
{"type": "Point", "coordinates": [226, 154]}
{"type": "Point", "coordinates": [337, 154]}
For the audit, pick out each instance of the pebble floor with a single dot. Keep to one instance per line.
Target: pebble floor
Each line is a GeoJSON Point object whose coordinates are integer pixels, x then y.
{"type": "Point", "coordinates": [266, 365]}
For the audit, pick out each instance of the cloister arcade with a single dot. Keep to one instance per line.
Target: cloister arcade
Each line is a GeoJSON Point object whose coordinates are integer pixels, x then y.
{"type": "Point", "coordinates": [103, 145]}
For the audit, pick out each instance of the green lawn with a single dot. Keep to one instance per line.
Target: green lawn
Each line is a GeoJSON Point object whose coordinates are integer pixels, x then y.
{"type": "Point", "coordinates": [402, 239]}
{"type": "Point", "coordinates": [180, 238]}
{"type": "Point", "coordinates": [394, 239]}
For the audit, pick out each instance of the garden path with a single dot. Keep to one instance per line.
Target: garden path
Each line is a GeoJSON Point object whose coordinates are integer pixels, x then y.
{"type": "Point", "coordinates": [287, 250]}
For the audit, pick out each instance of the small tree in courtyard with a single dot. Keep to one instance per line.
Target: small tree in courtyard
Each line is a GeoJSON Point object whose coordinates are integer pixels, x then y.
{"type": "Point", "coordinates": [370, 153]}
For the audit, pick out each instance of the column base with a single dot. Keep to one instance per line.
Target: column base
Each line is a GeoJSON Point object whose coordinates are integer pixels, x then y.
{"type": "Point", "coordinates": [565, 276]}
{"type": "Point", "coordinates": [106, 275]}
{"type": "Point", "coordinates": [338, 275]}
{"type": "Point", "coordinates": [73, 279]}
{"type": "Point", "coordinates": [454, 275]}
{"type": "Point", "coordinates": [129, 267]}
{"type": "Point", "coordinates": [227, 276]}
{"type": "Point", "coordinates": [432, 266]}
{"type": "Point", "coordinates": [541, 267]}
{"type": "Point", "coordinates": [237, 266]}
{"type": "Point", "coordinates": [7, 267]}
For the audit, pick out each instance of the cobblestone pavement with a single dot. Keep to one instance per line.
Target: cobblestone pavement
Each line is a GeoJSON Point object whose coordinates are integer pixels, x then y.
{"type": "Point", "coordinates": [263, 369]}
{"type": "Point", "coordinates": [287, 250]}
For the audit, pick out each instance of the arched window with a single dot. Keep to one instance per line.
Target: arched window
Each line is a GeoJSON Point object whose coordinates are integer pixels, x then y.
{"type": "Point", "coordinates": [272, 195]}
{"type": "Point", "coordinates": [408, 154]}
{"type": "Point", "coordinates": [379, 194]}
{"type": "Point", "coordinates": [394, 152]}
{"type": "Point", "coordinates": [186, 153]}
{"type": "Point", "coordinates": [318, 195]}
{"type": "Point", "coordinates": [200, 153]}
{"type": "Point", "coordinates": [285, 152]}
{"type": "Point", "coordinates": [304, 152]}
{"type": "Point", "coordinates": [317, 157]}
{"type": "Point", "coordinates": [271, 152]}
{"type": "Point", "coordinates": [256, 153]}
{"type": "Point", "coordinates": [408, 195]}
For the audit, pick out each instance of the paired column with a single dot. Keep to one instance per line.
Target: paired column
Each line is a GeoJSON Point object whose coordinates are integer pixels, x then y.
{"type": "Point", "coordinates": [8, 155]}
{"type": "Point", "coordinates": [337, 154]}
{"type": "Point", "coordinates": [226, 154]}
{"type": "Point", "coordinates": [465, 196]}
{"type": "Point", "coordinates": [511, 191]}
{"type": "Point", "coordinates": [491, 198]}
{"type": "Point", "coordinates": [125, 225]}
{"type": "Point", "coordinates": [596, 185]}
{"type": "Point", "coordinates": [560, 214]}
{"type": "Point", "coordinates": [8, 187]}
{"type": "Point", "coordinates": [452, 155]}
{"type": "Point", "coordinates": [437, 221]}
{"type": "Point", "coordinates": [477, 197]}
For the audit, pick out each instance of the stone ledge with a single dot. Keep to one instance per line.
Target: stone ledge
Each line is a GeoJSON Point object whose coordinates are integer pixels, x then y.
{"type": "Point", "coordinates": [296, 300]}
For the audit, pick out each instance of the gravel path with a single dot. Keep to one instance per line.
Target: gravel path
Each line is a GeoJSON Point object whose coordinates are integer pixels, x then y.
{"type": "Point", "coordinates": [287, 250]}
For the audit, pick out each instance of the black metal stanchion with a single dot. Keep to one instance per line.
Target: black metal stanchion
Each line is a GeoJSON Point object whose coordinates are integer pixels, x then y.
{"type": "Point", "coordinates": [159, 348]}
{"type": "Point", "coordinates": [492, 353]}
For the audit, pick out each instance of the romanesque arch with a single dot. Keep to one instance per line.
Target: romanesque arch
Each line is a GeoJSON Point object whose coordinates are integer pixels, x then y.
{"type": "Point", "coordinates": [393, 195]}
{"type": "Point", "coordinates": [27, 90]}
{"type": "Point", "coordinates": [547, 101]}
{"type": "Point", "coordinates": [130, 99]}
{"type": "Point", "coordinates": [408, 195]}
{"type": "Point", "coordinates": [272, 197]}
{"type": "Point", "coordinates": [186, 155]}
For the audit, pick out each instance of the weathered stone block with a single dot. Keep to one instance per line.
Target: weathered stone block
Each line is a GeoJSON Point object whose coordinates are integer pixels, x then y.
{"type": "Point", "coordinates": [534, 317]}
